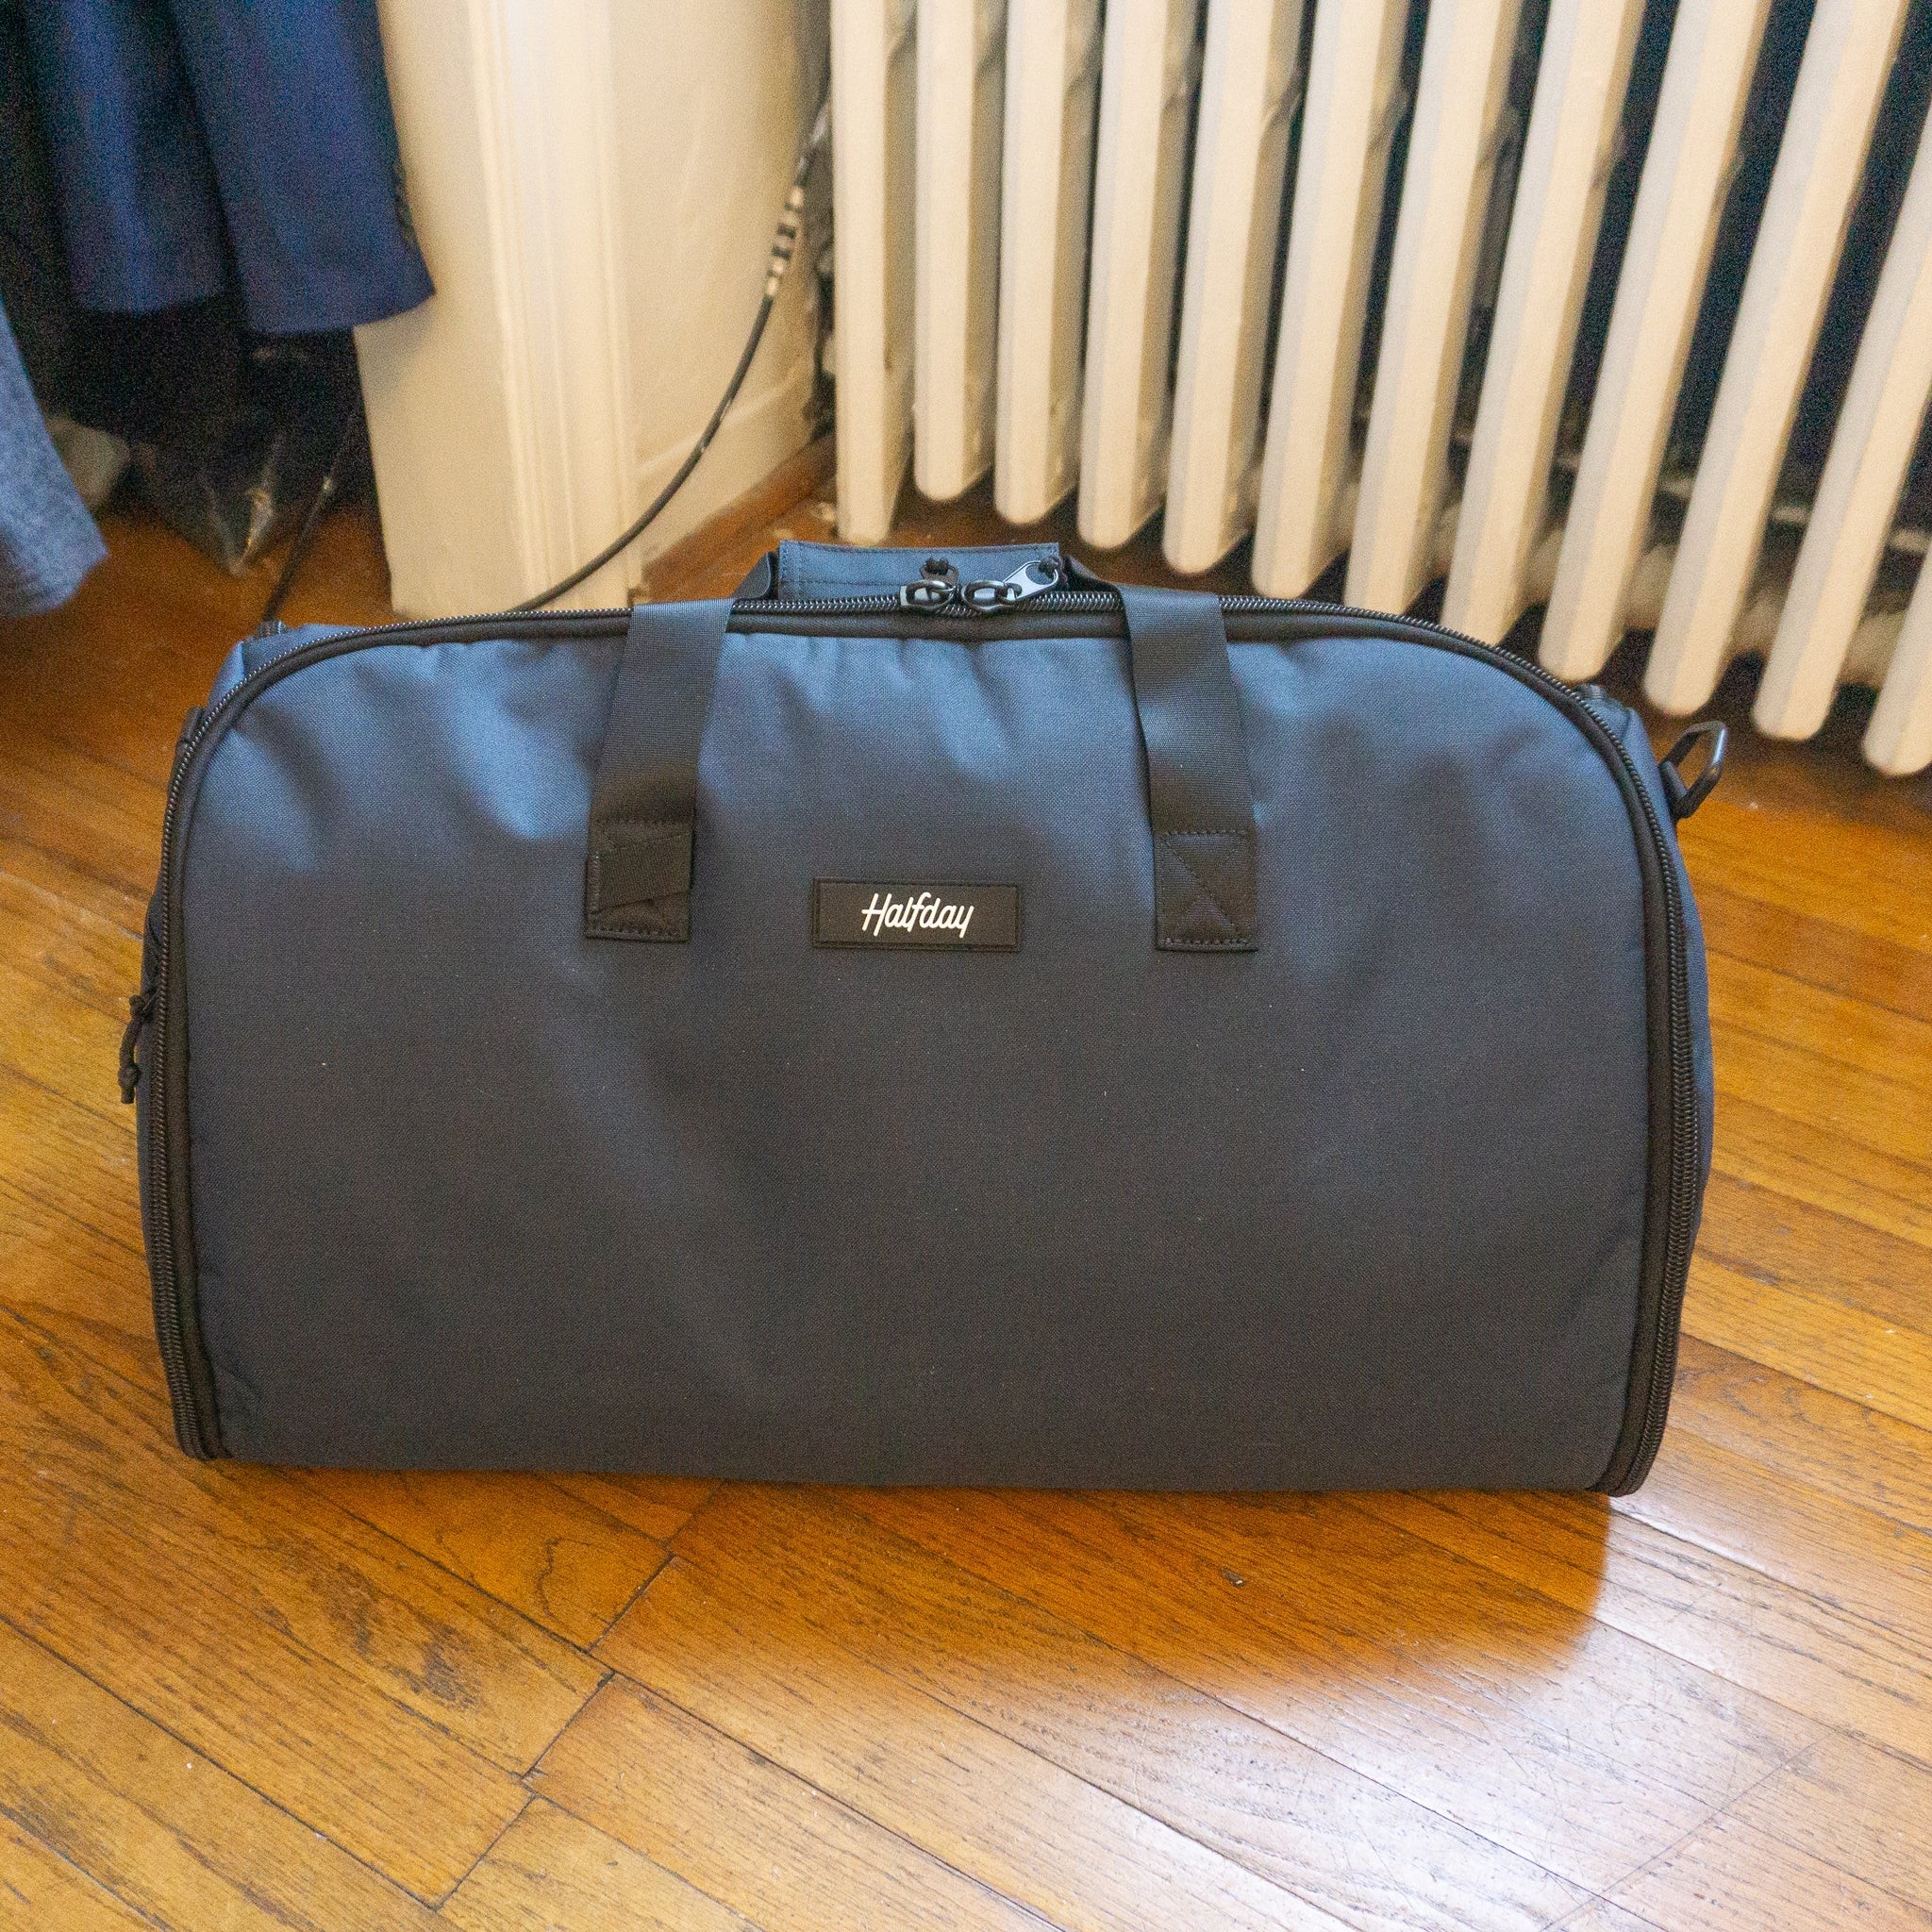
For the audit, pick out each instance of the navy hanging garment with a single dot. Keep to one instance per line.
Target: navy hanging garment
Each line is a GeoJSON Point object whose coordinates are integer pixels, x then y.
{"type": "Point", "coordinates": [187, 135]}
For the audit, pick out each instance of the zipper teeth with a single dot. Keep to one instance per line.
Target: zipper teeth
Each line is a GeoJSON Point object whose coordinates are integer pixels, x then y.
{"type": "Point", "coordinates": [1686, 1153]}
{"type": "Point", "coordinates": [167, 1293]}
{"type": "Point", "coordinates": [1684, 1134]}
{"type": "Point", "coordinates": [1064, 602]}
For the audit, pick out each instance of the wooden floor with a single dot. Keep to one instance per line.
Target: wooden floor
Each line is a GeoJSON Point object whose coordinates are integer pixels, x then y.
{"type": "Point", "coordinates": [237, 1697]}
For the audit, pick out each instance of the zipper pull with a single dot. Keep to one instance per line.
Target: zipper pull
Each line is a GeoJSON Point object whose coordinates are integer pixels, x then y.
{"type": "Point", "coordinates": [938, 592]}
{"type": "Point", "coordinates": [935, 589]}
{"type": "Point", "coordinates": [1034, 577]}
{"type": "Point", "coordinates": [139, 1007]}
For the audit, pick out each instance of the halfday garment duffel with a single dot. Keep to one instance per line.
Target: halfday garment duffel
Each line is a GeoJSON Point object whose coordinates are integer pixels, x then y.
{"type": "Point", "coordinates": [933, 1019]}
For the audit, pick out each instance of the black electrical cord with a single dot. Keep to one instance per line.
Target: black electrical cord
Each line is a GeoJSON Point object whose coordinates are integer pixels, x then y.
{"type": "Point", "coordinates": [783, 244]}
{"type": "Point", "coordinates": [324, 495]}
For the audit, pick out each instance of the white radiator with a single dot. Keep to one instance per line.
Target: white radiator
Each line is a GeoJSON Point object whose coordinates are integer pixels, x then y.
{"type": "Point", "coordinates": [1327, 274]}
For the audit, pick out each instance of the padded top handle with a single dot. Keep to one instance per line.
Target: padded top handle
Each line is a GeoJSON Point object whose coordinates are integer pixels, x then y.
{"type": "Point", "coordinates": [643, 803]}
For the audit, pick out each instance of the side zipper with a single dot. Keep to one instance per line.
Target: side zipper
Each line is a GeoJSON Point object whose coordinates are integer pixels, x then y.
{"type": "Point", "coordinates": [190, 1390]}
{"type": "Point", "coordinates": [1028, 593]}
{"type": "Point", "coordinates": [1627, 1471]}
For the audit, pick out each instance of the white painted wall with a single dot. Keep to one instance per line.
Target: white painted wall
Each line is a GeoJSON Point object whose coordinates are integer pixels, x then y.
{"type": "Point", "coordinates": [594, 183]}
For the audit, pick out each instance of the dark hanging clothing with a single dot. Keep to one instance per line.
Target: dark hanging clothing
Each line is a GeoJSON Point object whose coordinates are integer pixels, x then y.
{"type": "Point", "coordinates": [188, 136]}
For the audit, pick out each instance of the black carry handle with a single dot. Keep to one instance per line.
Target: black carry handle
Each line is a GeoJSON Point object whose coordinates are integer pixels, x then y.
{"type": "Point", "coordinates": [1200, 803]}
{"type": "Point", "coordinates": [643, 804]}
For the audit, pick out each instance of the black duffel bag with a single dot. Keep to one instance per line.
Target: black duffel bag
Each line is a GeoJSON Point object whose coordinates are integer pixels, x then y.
{"type": "Point", "coordinates": [929, 1020]}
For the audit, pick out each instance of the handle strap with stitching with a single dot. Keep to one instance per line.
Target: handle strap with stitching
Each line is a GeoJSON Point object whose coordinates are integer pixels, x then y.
{"type": "Point", "coordinates": [1199, 799]}
{"type": "Point", "coordinates": [645, 800]}
{"type": "Point", "coordinates": [643, 803]}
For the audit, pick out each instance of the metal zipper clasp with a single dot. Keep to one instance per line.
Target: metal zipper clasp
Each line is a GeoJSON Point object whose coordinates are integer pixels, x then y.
{"type": "Point", "coordinates": [938, 595]}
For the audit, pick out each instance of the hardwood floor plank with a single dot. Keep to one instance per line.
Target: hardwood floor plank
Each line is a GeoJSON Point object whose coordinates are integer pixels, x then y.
{"type": "Point", "coordinates": [1794, 1429]}
{"type": "Point", "coordinates": [980, 1803]}
{"type": "Point", "coordinates": [57, 1275]}
{"type": "Point", "coordinates": [748, 1833]}
{"type": "Point", "coordinates": [1485, 1701]}
{"type": "Point", "coordinates": [1812, 948]}
{"type": "Point", "coordinates": [39, 1888]}
{"type": "Point", "coordinates": [410, 1803]}
{"type": "Point", "coordinates": [61, 942]}
{"type": "Point", "coordinates": [1353, 1847]}
{"type": "Point", "coordinates": [1757, 1142]}
{"type": "Point", "coordinates": [1738, 1622]}
{"type": "Point", "coordinates": [100, 820]}
{"type": "Point", "coordinates": [1605, 1917]}
{"type": "Point", "coordinates": [525, 1541]}
{"type": "Point", "coordinates": [1766, 1236]}
{"type": "Point", "coordinates": [71, 1238]}
{"type": "Point", "coordinates": [1874, 879]}
{"type": "Point", "coordinates": [1842, 1030]}
{"type": "Point", "coordinates": [1852, 1354]}
{"type": "Point", "coordinates": [99, 1573]}
{"type": "Point", "coordinates": [654, 1505]}
{"type": "Point", "coordinates": [77, 1266]}
{"type": "Point", "coordinates": [1884, 1114]}
{"type": "Point", "coordinates": [158, 1825]}
{"type": "Point", "coordinates": [1822, 776]}
{"type": "Point", "coordinates": [62, 891]}
{"type": "Point", "coordinates": [91, 1126]}
{"type": "Point", "coordinates": [76, 703]}
{"type": "Point", "coordinates": [1855, 1809]}
{"type": "Point", "coordinates": [1838, 1551]}
{"type": "Point", "coordinates": [117, 665]}
{"type": "Point", "coordinates": [1731, 1877]}
{"type": "Point", "coordinates": [65, 1047]}
{"type": "Point", "coordinates": [553, 1873]}
{"type": "Point", "coordinates": [405, 1628]}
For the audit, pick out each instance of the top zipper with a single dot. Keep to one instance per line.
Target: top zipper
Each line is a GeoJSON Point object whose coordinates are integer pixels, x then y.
{"type": "Point", "coordinates": [994, 597]}
{"type": "Point", "coordinates": [1037, 587]}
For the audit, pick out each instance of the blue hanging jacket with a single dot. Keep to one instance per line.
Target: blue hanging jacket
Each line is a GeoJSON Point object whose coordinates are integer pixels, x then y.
{"type": "Point", "coordinates": [187, 135]}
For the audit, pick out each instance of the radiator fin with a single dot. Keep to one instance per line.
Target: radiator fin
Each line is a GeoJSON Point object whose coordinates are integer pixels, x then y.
{"type": "Point", "coordinates": [872, 257]}
{"type": "Point", "coordinates": [1053, 90]}
{"type": "Point", "coordinates": [1550, 301]}
{"type": "Point", "coordinates": [962, 67]}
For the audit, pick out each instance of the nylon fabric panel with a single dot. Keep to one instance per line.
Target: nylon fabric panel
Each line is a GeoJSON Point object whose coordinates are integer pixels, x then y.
{"type": "Point", "coordinates": [1362, 1209]}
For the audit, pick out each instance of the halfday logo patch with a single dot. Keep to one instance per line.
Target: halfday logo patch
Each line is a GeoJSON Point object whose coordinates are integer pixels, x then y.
{"type": "Point", "coordinates": [919, 915]}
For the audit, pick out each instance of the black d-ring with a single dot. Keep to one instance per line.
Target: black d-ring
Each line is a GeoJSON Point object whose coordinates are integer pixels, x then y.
{"type": "Point", "coordinates": [1684, 799]}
